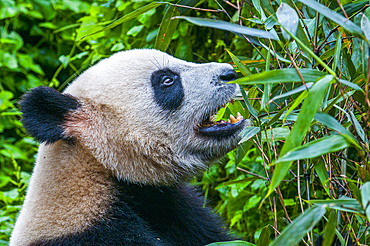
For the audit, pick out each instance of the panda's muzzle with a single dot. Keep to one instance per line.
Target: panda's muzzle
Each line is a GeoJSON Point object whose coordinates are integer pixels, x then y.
{"type": "Point", "coordinates": [221, 129]}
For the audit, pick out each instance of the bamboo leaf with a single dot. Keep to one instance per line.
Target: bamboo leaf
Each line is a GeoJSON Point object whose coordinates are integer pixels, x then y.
{"type": "Point", "coordinates": [280, 76]}
{"type": "Point", "coordinates": [294, 91]}
{"type": "Point", "coordinates": [248, 133]}
{"type": "Point", "coordinates": [329, 231]}
{"type": "Point", "coordinates": [223, 25]}
{"type": "Point", "coordinates": [264, 237]}
{"type": "Point", "coordinates": [358, 127]}
{"type": "Point", "coordinates": [167, 28]}
{"type": "Point", "coordinates": [266, 88]}
{"type": "Point", "coordinates": [288, 18]}
{"type": "Point", "coordinates": [355, 190]}
{"type": "Point", "coordinates": [294, 232]}
{"type": "Point", "coordinates": [316, 148]}
{"type": "Point", "coordinates": [332, 123]}
{"type": "Point", "coordinates": [247, 103]}
{"type": "Point", "coordinates": [241, 151]}
{"type": "Point", "coordinates": [278, 114]}
{"type": "Point", "coordinates": [278, 133]}
{"type": "Point", "coordinates": [295, 104]}
{"type": "Point", "coordinates": [352, 85]}
{"type": "Point", "coordinates": [365, 198]}
{"type": "Point", "coordinates": [365, 27]}
{"type": "Point", "coordinates": [323, 175]}
{"type": "Point", "coordinates": [337, 52]}
{"type": "Point", "coordinates": [334, 16]}
{"type": "Point", "coordinates": [242, 68]}
{"type": "Point", "coordinates": [343, 204]}
{"type": "Point", "coordinates": [300, 128]}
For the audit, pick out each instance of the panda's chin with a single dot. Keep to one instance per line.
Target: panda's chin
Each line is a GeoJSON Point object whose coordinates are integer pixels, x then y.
{"type": "Point", "coordinates": [221, 130]}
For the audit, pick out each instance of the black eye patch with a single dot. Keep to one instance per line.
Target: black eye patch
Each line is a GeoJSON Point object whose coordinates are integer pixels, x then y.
{"type": "Point", "coordinates": [168, 90]}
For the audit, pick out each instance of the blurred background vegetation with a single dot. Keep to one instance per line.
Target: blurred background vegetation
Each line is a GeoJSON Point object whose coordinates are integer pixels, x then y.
{"type": "Point", "coordinates": [301, 171]}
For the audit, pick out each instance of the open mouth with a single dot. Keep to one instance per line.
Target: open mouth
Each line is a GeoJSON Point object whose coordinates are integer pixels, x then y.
{"type": "Point", "coordinates": [220, 129]}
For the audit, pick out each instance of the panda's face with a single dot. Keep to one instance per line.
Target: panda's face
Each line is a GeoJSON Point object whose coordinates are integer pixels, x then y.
{"type": "Point", "coordinates": [147, 116]}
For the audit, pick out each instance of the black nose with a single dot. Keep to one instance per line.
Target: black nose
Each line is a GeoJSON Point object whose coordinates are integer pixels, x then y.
{"type": "Point", "coordinates": [228, 75]}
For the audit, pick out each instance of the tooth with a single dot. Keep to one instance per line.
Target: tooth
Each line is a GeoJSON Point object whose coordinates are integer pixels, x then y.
{"type": "Point", "coordinates": [222, 121]}
{"type": "Point", "coordinates": [238, 115]}
{"type": "Point", "coordinates": [228, 121]}
{"type": "Point", "coordinates": [233, 120]}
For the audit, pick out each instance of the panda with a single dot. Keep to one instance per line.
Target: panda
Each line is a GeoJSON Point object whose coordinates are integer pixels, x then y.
{"type": "Point", "coordinates": [117, 149]}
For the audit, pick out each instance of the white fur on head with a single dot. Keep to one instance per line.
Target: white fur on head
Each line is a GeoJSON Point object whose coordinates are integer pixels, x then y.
{"type": "Point", "coordinates": [125, 128]}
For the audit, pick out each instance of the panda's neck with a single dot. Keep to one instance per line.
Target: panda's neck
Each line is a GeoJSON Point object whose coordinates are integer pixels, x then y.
{"type": "Point", "coordinates": [72, 199]}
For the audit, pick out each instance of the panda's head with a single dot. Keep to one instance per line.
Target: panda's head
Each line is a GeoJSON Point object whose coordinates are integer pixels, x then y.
{"type": "Point", "coordinates": [143, 114]}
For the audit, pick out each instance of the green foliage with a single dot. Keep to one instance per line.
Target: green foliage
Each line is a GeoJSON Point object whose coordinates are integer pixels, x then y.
{"type": "Point", "coordinates": [304, 79]}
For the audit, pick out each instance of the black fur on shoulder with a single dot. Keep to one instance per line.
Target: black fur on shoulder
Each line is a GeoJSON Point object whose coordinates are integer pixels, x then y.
{"type": "Point", "coordinates": [44, 110]}
{"type": "Point", "coordinates": [150, 216]}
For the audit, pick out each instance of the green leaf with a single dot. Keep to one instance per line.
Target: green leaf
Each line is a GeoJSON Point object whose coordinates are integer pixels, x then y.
{"type": "Point", "coordinates": [334, 16]}
{"type": "Point", "coordinates": [295, 104]}
{"type": "Point", "coordinates": [236, 107]}
{"type": "Point", "coordinates": [247, 103]}
{"type": "Point", "coordinates": [365, 59]}
{"type": "Point", "coordinates": [9, 60]}
{"type": "Point", "coordinates": [323, 175]}
{"type": "Point", "coordinates": [358, 127]}
{"type": "Point", "coordinates": [266, 88]}
{"type": "Point", "coordinates": [64, 60]}
{"type": "Point", "coordinates": [329, 231]}
{"type": "Point", "coordinates": [294, 232]}
{"type": "Point", "coordinates": [135, 30]}
{"type": "Point", "coordinates": [117, 47]}
{"type": "Point", "coordinates": [167, 29]}
{"type": "Point", "coordinates": [288, 18]}
{"type": "Point", "coordinates": [332, 123]}
{"type": "Point", "coordinates": [294, 91]}
{"type": "Point", "coordinates": [352, 85]}
{"type": "Point", "coordinates": [232, 243]}
{"type": "Point", "coordinates": [338, 47]}
{"type": "Point", "coordinates": [365, 199]}
{"type": "Point", "coordinates": [315, 148]}
{"type": "Point", "coordinates": [278, 133]}
{"type": "Point", "coordinates": [343, 204]}
{"type": "Point", "coordinates": [365, 27]}
{"type": "Point", "coordinates": [241, 151]}
{"type": "Point", "coordinates": [280, 76]}
{"type": "Point", "coordinates": [354, 190]}
{"type": "Point", "coordinates": [223, 25]}
{"type": "Point", "coordinates": [264, 237]}
{"type": "Point", "coordinates": [301, 126]}
{"type": "Point", "coordinates": [248, 133]}
{"type": "Point", "coordinates": [278, 114]}
{"type": "Point", "coordinates": [243, 69]}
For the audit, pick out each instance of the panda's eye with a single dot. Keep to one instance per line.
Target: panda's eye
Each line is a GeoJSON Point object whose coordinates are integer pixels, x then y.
{"type": "Point", "coordinates": [167, 81]}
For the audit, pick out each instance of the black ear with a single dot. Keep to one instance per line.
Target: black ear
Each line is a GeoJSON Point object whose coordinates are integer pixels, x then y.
{"type": "Point", "coordinates": [44, 110]}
